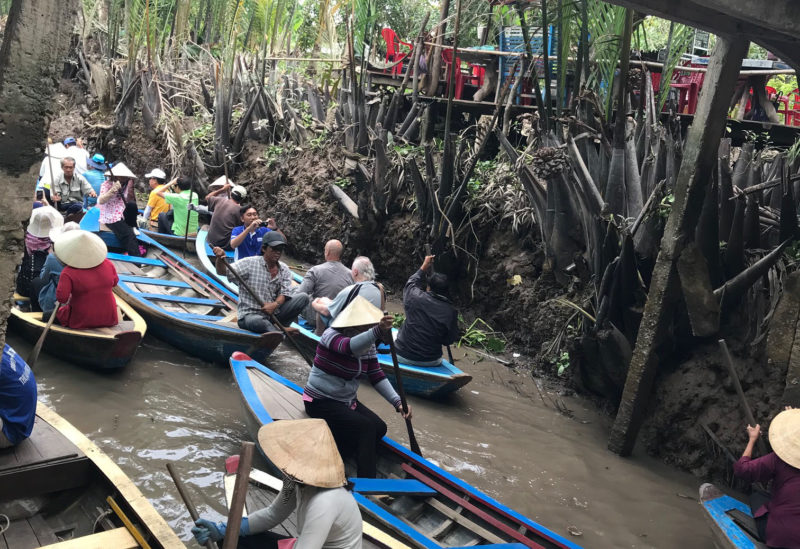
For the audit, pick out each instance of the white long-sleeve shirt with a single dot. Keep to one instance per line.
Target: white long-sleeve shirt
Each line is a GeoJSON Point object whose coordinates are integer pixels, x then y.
{"type": "Point", "coordinates": [327, 518]}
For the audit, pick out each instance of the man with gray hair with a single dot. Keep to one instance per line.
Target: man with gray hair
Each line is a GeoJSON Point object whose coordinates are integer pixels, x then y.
{"type": "Point", "coordinates": [326, 279]}
{"type": "Point", "coordinates": [69, 187]}
{"type": "Point", "coordinates": [364, 274]}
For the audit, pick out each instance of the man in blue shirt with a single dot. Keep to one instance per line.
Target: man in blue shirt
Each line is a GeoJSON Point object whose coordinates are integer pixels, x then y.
{"type": "Point", "coordinates": [17, 399]}
{"type": "Point", "coordinates": [246, 239]}
{"type": "Point", "coordinates": [95, 175]}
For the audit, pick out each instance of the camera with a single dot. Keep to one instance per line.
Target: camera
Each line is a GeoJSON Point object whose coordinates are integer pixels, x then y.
{"type": "Point", "coordinates": [264, 224]}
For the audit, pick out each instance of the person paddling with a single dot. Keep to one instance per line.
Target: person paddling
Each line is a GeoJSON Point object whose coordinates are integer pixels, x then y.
{"type": "Point", "coordinates": [346, 353]}
{"type": "Point", "coordinates": [313, 487]}
{"type": "Point", "coordinates": [778, 518]}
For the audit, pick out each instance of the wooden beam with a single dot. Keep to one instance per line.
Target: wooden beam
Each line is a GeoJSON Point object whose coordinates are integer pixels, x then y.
{"type": "Point", "coordinates": [699, 158]}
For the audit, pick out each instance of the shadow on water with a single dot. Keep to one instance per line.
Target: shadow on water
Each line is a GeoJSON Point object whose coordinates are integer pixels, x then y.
{"type": "Point", "coordinates": [495, 433]}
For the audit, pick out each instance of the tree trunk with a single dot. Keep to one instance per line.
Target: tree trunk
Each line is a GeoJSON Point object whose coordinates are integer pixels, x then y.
{"type": "Point", "coordinates": [435, 67]}
{"type": "Point", "coordinates": [36, 40]}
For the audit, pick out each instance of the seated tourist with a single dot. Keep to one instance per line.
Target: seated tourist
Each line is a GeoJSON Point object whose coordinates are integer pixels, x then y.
{"type": "Point", "coordinates": [363, 273]}
{"type": "Point", "coordinates": [86, 283]}
{"type": "Point", "coordinates": [37, 245]}
{"type": "Point", "coordinates": [68, 190]}
{"type": "Point", "coordinates": [43, 287]}
{"type": "Point", "coordinates": [179, 201]}
{"type": "Point", "coordinates": [326, 279]}
{"type": "Point", "coordinates": [17, 399]}
{"type": "Point", "coordinates": [246, 239]}
{"type": "Point", "coordinates": [156, 205]}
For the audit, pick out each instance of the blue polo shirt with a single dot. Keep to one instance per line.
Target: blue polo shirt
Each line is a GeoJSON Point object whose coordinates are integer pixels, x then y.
{"type": "Point", "coordinates": [252, 242]}
{"type": "Point", "coordinates": [17, 396]}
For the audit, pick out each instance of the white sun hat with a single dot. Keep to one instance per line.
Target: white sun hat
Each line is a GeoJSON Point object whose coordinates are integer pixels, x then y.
{"type": "Point", "coordinates": [304, 450]}
{"type": "Point", "coordinates": [43, 220]}
{"type": "Point", "coordinates": [220, 182]}
{"type": "Point", "coordinates": [80, 249]}
{"type": "Point", "coordinates": [158, 173]}
{"type": "Point", "coordinates": [360, 312]}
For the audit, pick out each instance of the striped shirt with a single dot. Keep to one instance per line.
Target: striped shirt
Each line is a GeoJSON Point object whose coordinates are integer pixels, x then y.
{"type": "Point", "coordinates": [337, 369]}
{"type": "Point", "coordinates": [254, 271]}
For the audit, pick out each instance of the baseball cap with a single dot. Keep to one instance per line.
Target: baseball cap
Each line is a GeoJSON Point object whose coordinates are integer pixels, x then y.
{"type": "Point", "coordinates": [70, 141]}
{"type": "Point", "coordinates": [158, 173]}
{"type": "Point", "coordinates": [273, 239]}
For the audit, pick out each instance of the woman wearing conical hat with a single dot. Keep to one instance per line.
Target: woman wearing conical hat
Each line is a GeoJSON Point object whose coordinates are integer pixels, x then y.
{"type": "Point", "coordinates": [778, 519]}
{"type": "Point", "coordinates": [86, 283]}
{"type": "Point", "coordinates": [313, 486]}
{"type": "Point", "coordinates": [345, 353]}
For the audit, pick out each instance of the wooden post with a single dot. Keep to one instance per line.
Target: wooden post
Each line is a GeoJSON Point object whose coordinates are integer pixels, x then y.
{"type": "Point", "coordinates": [239, 496]}
{"type": "Point", "coordinates": [435, 65]}
{"type": "Point", "coordinates": [695, 174]}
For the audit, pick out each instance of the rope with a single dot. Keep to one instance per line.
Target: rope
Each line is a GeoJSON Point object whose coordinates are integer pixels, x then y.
{"type": "Point", "coordinates": [7, 526]}
{"type": "Point", "coordinates": [102, 515]}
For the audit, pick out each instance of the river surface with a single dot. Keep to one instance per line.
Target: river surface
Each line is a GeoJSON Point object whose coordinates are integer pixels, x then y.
{"type": "Point", "coordinates": [496, 433]}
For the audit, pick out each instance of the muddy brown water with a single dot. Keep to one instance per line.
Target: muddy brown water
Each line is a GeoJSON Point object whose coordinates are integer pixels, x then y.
{"type": "Point", "coordinates": [495, 433]}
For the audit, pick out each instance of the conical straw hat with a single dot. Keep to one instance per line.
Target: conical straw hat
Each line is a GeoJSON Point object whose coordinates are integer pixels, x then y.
{"type": "Point", "coordinates": [220, 182]}
{"type": "Point", "coordinates": [69, 226]}
{"type": "Point", "coordinates": [120, 170]}
{"type": "Point", "coordinates": [80, 249]}
{"type": "Point", "coordinates": [784, 436]}
{"type": "Point", "coordinates": [43, 220]}
{"type": "Point", "coordinates": [304, 450]}
{"type": "Point", "coordinates": [360, 312]}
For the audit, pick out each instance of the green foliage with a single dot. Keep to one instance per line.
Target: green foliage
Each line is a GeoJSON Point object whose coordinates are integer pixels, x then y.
{"type": "Point", "coordinates": [665, 206]}
{"type": "Point", "coordinates": [317, 143]}
{"type": "Point", "coordinates": [343, 182]}
{"type": "Point", "coordinates": [482, 175]}
{"type": "Point", "coordinates": [407, 149]}
{"type": "Point", "coordinates": [399, 319]}
{"type": "Point", "coordinates": [480, 334]}
{"type": "Point", "coordinates": [562, 363]}
{"type": "Point", "coordinates": [793, 251]}
{"type": "Point", "coordinates": [273, 154]}
{"type": "Point", "coordinates": [793, 151]}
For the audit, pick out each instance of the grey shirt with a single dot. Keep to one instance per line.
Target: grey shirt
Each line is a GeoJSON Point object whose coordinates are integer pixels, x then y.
{"type": "Point", "coordinates": [326, 279]}
{"type": "Point", "coordinates": [367, 290]}
{"type": "Point", "coordinates": [326, 517]}
{"type": "Point", "coordinates": [74, 190]}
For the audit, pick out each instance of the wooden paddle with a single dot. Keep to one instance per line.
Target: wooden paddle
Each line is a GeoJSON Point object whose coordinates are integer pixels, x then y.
{"type": "Point", "coordinates": [38, 347]}
{"type": "Point", "coordinates": [412, 440]}
{"type": "Point", "coordinates": [188, 214]}
{"type": "Point", "coordinates": [272, 317]}
{"type": "Point", "coordinates": [762, 447]}
{"type": "Point", "coordinates": [239, 496]}
{"type": "Point", "coordinates": [187, 501]}
{"type": "Point", "coordinates": [50, 164]}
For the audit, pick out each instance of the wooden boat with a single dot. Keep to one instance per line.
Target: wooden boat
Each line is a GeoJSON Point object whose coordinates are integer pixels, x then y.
{"type": "Point", "coordinates": [415, 500]}
{"type": "Point", "coordinates": [208, 260]}
{"type": "Point", "coordinates": [730, 520]}
{"type": "Point", "coordinates": [60, 491]}
{"type": "Point", "coordinates": [98, 348]}
{"type": "Point", "coordinates": [91, 222]}
{"type": "Point", "coordinates": [430, 382]}
{"type": "Point", "coordinates": [263, 489]}
{"type": "Point", "coordinates": [185, 307]}
{"type": "Point", "coordinates": [171, 240]}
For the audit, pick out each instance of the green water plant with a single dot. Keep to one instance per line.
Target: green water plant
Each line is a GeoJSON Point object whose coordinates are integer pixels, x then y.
{"type": "Point", "coordinates": [480, 334]}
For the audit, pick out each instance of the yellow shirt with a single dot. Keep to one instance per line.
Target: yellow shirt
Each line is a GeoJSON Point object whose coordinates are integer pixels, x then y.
{"type": "Point", "coordinates": [157, 205]}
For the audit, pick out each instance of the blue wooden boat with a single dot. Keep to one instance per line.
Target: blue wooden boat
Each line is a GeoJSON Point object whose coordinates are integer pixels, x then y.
{"type": "Point", "coordinates": [415, 500]}
{"type": "Point", "coordinates": [185, 307]}
{"type": "Point", "coordinates": [91, 222]}
{"type": "Point", "coordinates": [430, 382]}
{"type": "Point", "coordinates": [730, 520]}
{"type": "Point", "coordinates": [208, 260]}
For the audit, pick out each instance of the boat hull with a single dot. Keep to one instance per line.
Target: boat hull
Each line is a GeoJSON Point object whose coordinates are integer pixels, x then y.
{"type": "Point", "coordinates": [433, 383]}
{"type": "Point", "coordinates": [160, 301]}
{"type": "Point", "coordinates": [726, 516]}
{"type": "Point", "coordinates": [95, 349]}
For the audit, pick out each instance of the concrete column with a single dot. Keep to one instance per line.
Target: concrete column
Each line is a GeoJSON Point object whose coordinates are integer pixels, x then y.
{"type": "Point", "coordinates": [700, 156]}
{"type": "Point", "coordinates": [36, 41]}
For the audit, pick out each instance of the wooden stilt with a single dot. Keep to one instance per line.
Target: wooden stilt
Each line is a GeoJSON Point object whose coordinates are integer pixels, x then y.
{"type": "Point", "coordinates": [690, 189]}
